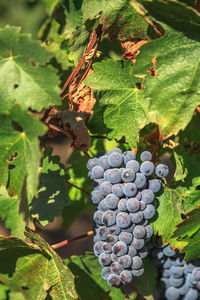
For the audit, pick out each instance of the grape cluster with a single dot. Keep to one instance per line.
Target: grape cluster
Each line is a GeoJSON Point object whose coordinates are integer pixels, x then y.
{"type": "Point", "coordinates": [124, 195]}
{"type": "Point", "coordinates": [178, 279]}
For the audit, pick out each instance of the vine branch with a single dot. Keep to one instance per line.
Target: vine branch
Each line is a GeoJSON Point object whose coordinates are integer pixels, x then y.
{"type": "Point", "coordinates": [66, 242]}
{"type": "Point", "coordinates": [78, 188]}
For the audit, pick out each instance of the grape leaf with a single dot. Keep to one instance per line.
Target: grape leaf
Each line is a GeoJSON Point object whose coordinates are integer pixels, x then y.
{"type": "Point", "coordinates": [86, 268]}
{"type": "Point", "coordinates": [174, 92]}
{"type": "Point", "coordinates": [180, 172]}
{"type": "Point", "coordinates": [50, 5]}
{"type": "Point", "coordinates": [19, 151]}
{"type": "Point", "coordinates": [52, 193]}
{"type": "Point", "coordinates": [176, 14]}
{"type": "Point", "coordinates": [9, 213]}
{"type": "Point", "coordinates": [24, 77]}
{"type": "Point", "coordinates": [190, 134]}
{"type": "Point", "coordinates": [119, 19]}
{"type": "Point", "coordinates": [146, 283]}
{"type": "Point", "coordinates": [189, 2]}
{"type": "Point", "coordinates": [61, 55]}
{"type": "Point", "coordinates": [73, 17]}
{"type": "Point", "coordinates": [126, 110]}
{"type": "Point", "coordinates": [179, 198]}
{"type": "Point", "coordinates": [34, 272]}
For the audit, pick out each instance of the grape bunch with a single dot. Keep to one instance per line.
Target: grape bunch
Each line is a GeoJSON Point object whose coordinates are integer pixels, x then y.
{"type": "Point", "coordinates": [178, 279]}
{"type": "Point", "coordinates": [124, 195]}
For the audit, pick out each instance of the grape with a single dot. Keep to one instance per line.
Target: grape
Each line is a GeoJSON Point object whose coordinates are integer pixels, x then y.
{"type": "Point", "coordinates": [125, 237]}
{"type": "Point", "coordinates": [132, 251]}
{"type": "Point", "coordinates": [111, 201]}
{"type": "Point", "coordinates": [143, 205]}
{"type": "Point", "coordinates": [107, 248]}
{"type": "Point", "coordinates": [149, 211]}
{"type": "Point", "coordinates": [103, 162]}
{"type": "Point", "coordinates": [98, 217]}
{"type": "Point", "coordinates": [138, 196]}
{"type": "Point", "coordinates": [133, 205]}
{"type": "Point", "coordinates": [192, 294]}
{"type": "Point", "coordinates": [138, 243]}
{"type": "Point", "coordinates": [113, 176]}
{"type": "Point", "coordinates": [154, 185]}
{"type": "Point", "coordinates": [144, 223]}
{"type": "Point", "coordinates": [114, 280]}
{"type": "Point", "coordinates": [109, 218]}
{"type": "Point", "coordinates": [126, 276]}
{"type": "Point", "coordinates": [140, 181]}
{"type": "Point", "coordinates": [96, 197]}
{"type": "Point", "coordinates": [95, 239]}
{"type": "Point", "coordinates": [91, 163]}
{"type": "Point", "coordinates": [168, 251]}
{"type": "Point", "coordinates": [102, 206]}
{"type": "Point", "coordinates": [114, 258]}
{"type": "Point", "coordinates": [143, 252]}
{"type": "Point", "coordinates": [115, 159]}
{"type": "Point", "coordinates": [136, 263]}
{"type": "Point", "coordinates": [167, 264]}
{"type": "Point", "coordinates": [123, 220]}
{"type": "Point", "coordinates": [176, 272]}
{"type": "Point", "coordinates": [122, 204]}
{"type": "Point", "coordinates": [97, 183]}
{"type": "Point", "coordinates": [145, 156]}
{"type": "Point", "coordinates": [176, 282]}
{"type": "Point", "coordinates": [105, 272]}
{"type": "Point", "coordinates": [120, 248]}
{"type": "Point", "coordinates": [128, 175]}
{"type": "Point", "coordinates": [129, 229]}
{"type": "Point", "coordinates": [183, 289]}
{"type": "Point", "coordinates": [125, 261]}
{"type": "Point", "coordinates": [115, 229]}
{"type": "Point", "coordinates": [166, 273]}
{"type": "Point", "coordinates": [104, 259]}
{"type": "Point", "coordinates": [162, 170]}
{"type": "Point", "coordinates": [172, 293]}
{"type": "Point", "coordinates": [149, 231]}
{"type": "Point", "coordinates": [147, 196]}
{"type": "Point", "coordinates": [133, 164]}
{"type": "Point", "coordinates": [136, 217]}
{"type": "Point", "coordinates": [147, 168]}
{"type": "Point", "coordinates": [130, 189]}
{"type": "Point", "coordinates": [116, 268]}
{"type": "Point", "coordinates": [138, 273]}
{"type": "Point", "coordinates": [196, 274]}
{"type": "Point", "coordinates": [97, 172]}
{"type": "Point", "coordinates": [127, 156]}
{"type": "Point", "coordinates": [139, 232]}
{"type": "Point", "coordinates": [117, 190]}
{"type": "Point", "coordinates": [105, 188]}
{"type": "Point", "coordinates": [111, 239]}
{"type": "Point", "coordinates": [102, 233]}
{"type": "Point", "coordinates": [98, 248]}
{"type": "Point", "coordinates": [179, 262]}
{"type": "Point", "coordinates": [115, 150]}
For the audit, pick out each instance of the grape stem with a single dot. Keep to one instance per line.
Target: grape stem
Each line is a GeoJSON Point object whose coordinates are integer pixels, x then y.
{"type": "Point", "coordinates": [139, 296]}
{"type": "Point", "coordinates": [77, 187]}
{"type": "Point", "coordinates": [66, 242]}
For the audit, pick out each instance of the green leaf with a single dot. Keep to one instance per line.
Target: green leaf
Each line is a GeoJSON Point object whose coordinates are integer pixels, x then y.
{"type": "Point", "coordinates": [50, 198]}
{"type": "Point", "coordinates": [189, 232]}
{"type": "Point", "coordinates": [73, 17]}
{"type": "Point", "coordinates": [189, 2]}
{"type": "Point", "coordinates": [179, 198]}
{"type": "Point", "coordinates": [190, 134]}
{"type": "Point", "coordinates": [176, 14]}
{"type": "Point", "coordinates": [33, 272]}
{"type": "Point", "coordinates": [87, 269]}
{"type": "Point", "coordinates": [174, 92]}
{"type": "Point", "coordinates": [180, 172]}
{"type": "Point", "coordinates": [61, 55]}
{"type": "Point", "coordinates": [50, 5]}
{"type": "Point", "coordinates": [126, 111]}
{"type": "Point", "coordinates": [25, 78]}
{"type": "Point", "coordinates": [9, 213]}
{"type": "Point", "coordinates": [119, 19]}
{"type": "Point", "coordinates": [146, 283]}
{"type": "Point", "coordinates": [19, 151]}
{"type": "Point", "coordinates": [78, 43]}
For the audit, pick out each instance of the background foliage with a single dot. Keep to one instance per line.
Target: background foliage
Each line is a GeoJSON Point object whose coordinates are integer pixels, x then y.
{"type": "Point", "coordinates": [145, 87]}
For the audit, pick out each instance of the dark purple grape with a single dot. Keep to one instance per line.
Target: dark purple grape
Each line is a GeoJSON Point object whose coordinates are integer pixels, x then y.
{"type": "Point", "coordinates": [115, 159]}
{"type": "Point", "coordinates": [105, 272]}
{"type": "Point", "coordinates": [127, 156]}
{"type": "Point", "coordinates": [145, 156]}
{"type": "Point", "coordinates": [125, 261]}
{"type": "Point", "coordinates": [98, 248]}
{"type": "Point", "coordinates": [126, 276]}
{"type": "Point", "coordinates": [133, 205]}
{"type": "Point", "coordinates": [115, 229]}
{"type": "Point", "coordinates": [114, 280]}
{"type": "Point", "coordinates": [149, 211]}
{"type": "Point", "coordinates": [96, 197]}
{"type": "Point", "coordinates": [136, 217]}
{"type": "Point", "coordinates": [162, 170]}
{"type": "Point", "coordinates": [111, 201]}
{"type": "Point", "coordinates": [147, 168]}
{"type": "Point", "coordinates": [139, 231]}
{"type": "Point", "coordinates": [143, 205]}
{"type": "Point", "coordinates": [117, 190]}
{"type": "Point", "coordinates": [105, 259]}
{"type": "Point", "coordinates": [147, 196]}
{"type": "Point", "coordinates": [123, 220]}
{"type": "Point", "coordinates": [122, 204]}
{"type": "Point", "coordinates": [176, 282]}
{"type": "Point", "coordinates": [103, 162]}
{"type": "Point", "coordinates": [130, 189]}
{"type": "Point", "coordinates": [111, 239]}
{"type": "Point", "coordinates": [138, 273]}
{"type": "Point", "coordinates": [120, 249]}
{"type": "Point", "coordinates": [116, 268]}
{"type": "Point", "coordinates": [132, 251]}
{"type": "Point", "coordinates": [149, 231]}
{"type": "Point", "coordinates": [107, 248]}
{"type": "Point", "coordinates": [143, 252]}
{"type": "Point", "coordinates": [98, 217]}
{"type": "Point", "coordinates": [176, 272]}
{"type": "Point", "coordinates": [172, 293]}
{"type": "Point", "coordinates": [105, 188]}
{"type": "Point", "coordinates": [92, 162]}
{"type": "Point", "coordinates": [102, 233]}
{"type": "Point", "coordinates": [134, 165]}
{"type": "Point", "coordinates": [136, 263]}
{"type": "Point", "coordinates": [128, 175]}
{"type": "Point", "coordinates": [113, 176]}
{"type": "Point", "coordinates": [138, 243]}
{"type": "Point", "coordinates": [140, 181]}
{"type": "Point", "coordinates": [125, 237]}
{"type": "Point", "coordinates": [109, 218]}
{"type": "Point", "coordinates": [118, 150]}
{"type": "Point", "coordinates": [97, 172]}
{"type": "Point", "coordinates": [154, 185]}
